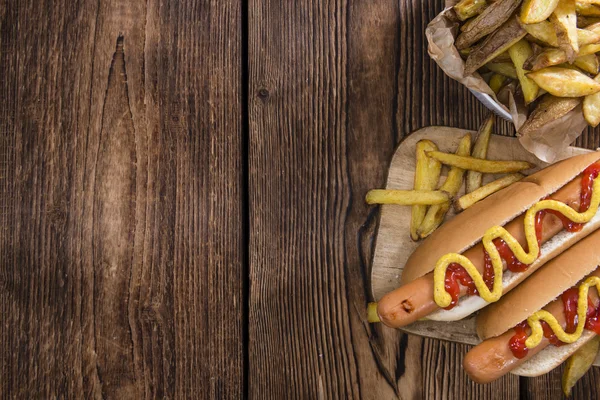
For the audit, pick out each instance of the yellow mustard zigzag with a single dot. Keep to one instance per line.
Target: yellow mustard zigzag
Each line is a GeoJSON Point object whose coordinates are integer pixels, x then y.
{"type": "Point", "coordinates": [582, 306]}
{"type": "Point", "coordinates": [443, 298]}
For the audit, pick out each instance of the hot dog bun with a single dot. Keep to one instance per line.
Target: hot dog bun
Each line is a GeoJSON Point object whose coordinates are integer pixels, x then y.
{"type": "Point", "coordinates": [545, 285]}
{"type": "Point", "coordinates": [467, 228]}
{"type": "Point", "coordinates": [551, 357]}
{"type": "Point", "coordinates": [492, 359]}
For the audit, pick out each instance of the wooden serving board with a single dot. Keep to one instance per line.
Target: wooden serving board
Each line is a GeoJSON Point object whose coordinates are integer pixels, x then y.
{"type": "Point", "coordinates": [393, 244]}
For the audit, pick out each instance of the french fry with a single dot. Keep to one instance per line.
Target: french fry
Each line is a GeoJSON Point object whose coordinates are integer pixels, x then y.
{"type": "Point", "coordinates": [495, 44]}
{"type": "Point", "coordinates": [533, 11]}
{"type": "Point", "coordinates": [477, 164]}
{"type": "Point", "coordinates": [564, 19]}
{"type": "Point", "coordinates": [589, 49]}
{"type": "Point", "coordinates": [551, 57]}
{"type": "Point", "coordinates": [570, 66]}
{"type": "Point", "coordinates": [588, 63]}
{"type": "Point", "coordinates": [543, 31]}
{"type": "Point", "coordinates": [436, 213]}
{"type": "Point", "coordinates": [519, 53]}
{"type": "Point", "coordinates": [593, 27]}
{"type": "Point", "coordinates": [406, 197]}
{"type": "Point", "coordinates": [466, 9]}
{"type": "Point", "coordinates": [564, 82]}
{"type": "Point", "coordinates": [579, 363]}
{"type": "Point", "coordinates": [480, 150]}
{"type": "Point", "coordinates": [591, 107]}
{"type": "Point", "coordinates": [497, 81]}
{"type": "Point", "coordinates": [372, 315]}
{"type": "Point", "coordinates": [549, 109]}
{"type": "Point", "coordinates": [547, 58]}
{"type": "Point", "coordinates": [587, 10]}
{"type": "Point", "coordinates": [506, 69]}
{"type": "Point", "coordinates": [427, 175]}
{"type": "Point", "coordinates": [494, 16]}
{"type": "Point", "coordinates": [481, 193]}
{"type": "Point", "coordinates": [585, 36]}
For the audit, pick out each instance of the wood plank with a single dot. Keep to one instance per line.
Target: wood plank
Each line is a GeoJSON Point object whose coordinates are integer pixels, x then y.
{"type": "Point", "coordinates": [331, 94]}
{"type": "Point", "coordinates": [121, 200]}
{"type": "Point", "coordinates": [300, 334]}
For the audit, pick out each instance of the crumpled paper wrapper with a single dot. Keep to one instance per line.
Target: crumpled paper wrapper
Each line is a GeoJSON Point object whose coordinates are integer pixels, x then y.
{"type": "Point", "coordinates": [547, 142]}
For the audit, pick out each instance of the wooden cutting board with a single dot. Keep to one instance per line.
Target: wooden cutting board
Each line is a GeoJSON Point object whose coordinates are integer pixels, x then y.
{"type": "Point", "coordinates": [393, 244]}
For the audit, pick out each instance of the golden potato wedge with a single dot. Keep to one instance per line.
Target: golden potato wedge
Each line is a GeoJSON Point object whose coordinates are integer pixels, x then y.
{"type": "Point", "coordinates": [564, 82]}
{"type": "Point", "coordinates": [543, 31]}
{"type": "Point", "coordinates": [547, 58]}
{"type": "Point", "coordinates": [549, 109]}
{"type": "Point", "coordinates": [588, 63]}
{"type": "Point", "coordinates": [519, 53]}
{"type": "Point", "coordinates": [406, 197]}
{"type": "Point", "coordinates": [589, 49]}
{"type": "Point", "coordinates": [466, 9]}
{"type": "Point", "coordinates": [533, 11]}
{"type": "Point", "coordinates": [481, 193]}
{"type": "Point", "coordinates": [564, 19]}
{"type": "Point", "coordinates": [579, 363]}
{"type": "Point", "coordinates": [490, 19]}
{"type": "Point", "coordinates": [506, 69]}
{"type": "Point", "coordinates": [495, 44]}
{"type": "Point", "coordinates": [585, 36]}
{"type": "Point", "coordinates": [587, 10]}
{"type": "Point", "coordinates": [480, 150]}
{"type": "Point", "coordinates": [496, 82]}
{"type": "Point", "coordinates": [436, 213]}
{"type": "Point", "coordinates": [591, 107]}
{"type": "Point", "coordinates": [477, 164]}
{"type": "Point", "coordinates": [427, 175]}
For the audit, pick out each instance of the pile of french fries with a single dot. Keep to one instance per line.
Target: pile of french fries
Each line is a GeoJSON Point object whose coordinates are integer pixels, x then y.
{"type": "Point", "coordinates": [430, 204]}
{"type": "Point", "coordinates": [548, 47]}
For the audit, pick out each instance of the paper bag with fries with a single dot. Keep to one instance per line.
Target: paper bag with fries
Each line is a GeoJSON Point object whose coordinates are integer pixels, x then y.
{"type": "Point", "coordinates": [535, 60]}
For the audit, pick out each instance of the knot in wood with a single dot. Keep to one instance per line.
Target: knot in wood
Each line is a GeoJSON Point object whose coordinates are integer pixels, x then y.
{"type": "Point", "coordinates": [263, 94]}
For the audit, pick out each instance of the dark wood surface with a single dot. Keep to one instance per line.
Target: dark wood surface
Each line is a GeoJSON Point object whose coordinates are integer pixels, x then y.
{"type": "Point", "coordinates": [181, 199]}
{"type": "Point", "coordinates": [122, 240]}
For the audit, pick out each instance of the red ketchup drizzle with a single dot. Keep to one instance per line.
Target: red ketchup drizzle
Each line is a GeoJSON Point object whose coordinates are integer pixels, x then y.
{"type": "Point", "coordinates": [517, 341]}
{"type": "Point", "coordinates": [569, 298]}
{"type": "Point", "coordinates": [456, 275]}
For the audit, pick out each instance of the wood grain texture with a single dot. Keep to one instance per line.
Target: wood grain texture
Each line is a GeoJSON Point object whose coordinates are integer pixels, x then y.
{"type": "Point", "coordinates": [333, 87]}
{"type": "Point", "coordinates": [121, 247]}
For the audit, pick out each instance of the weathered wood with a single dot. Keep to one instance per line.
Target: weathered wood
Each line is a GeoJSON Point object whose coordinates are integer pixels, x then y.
{"type": "Point", "coordinates": [325, 116]}
{"type": "Point", "coordinates": [121, 267]}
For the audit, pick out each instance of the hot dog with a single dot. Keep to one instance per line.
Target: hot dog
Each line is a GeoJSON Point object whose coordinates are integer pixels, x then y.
{"type": "Point", "coordinates": [555, 289]}
{"type": "Point", "coordinates": [462, 238]}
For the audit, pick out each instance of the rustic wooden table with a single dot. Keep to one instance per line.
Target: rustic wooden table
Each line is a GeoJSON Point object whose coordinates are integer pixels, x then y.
{"type": "Point", "coordinates": [181, 199]}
